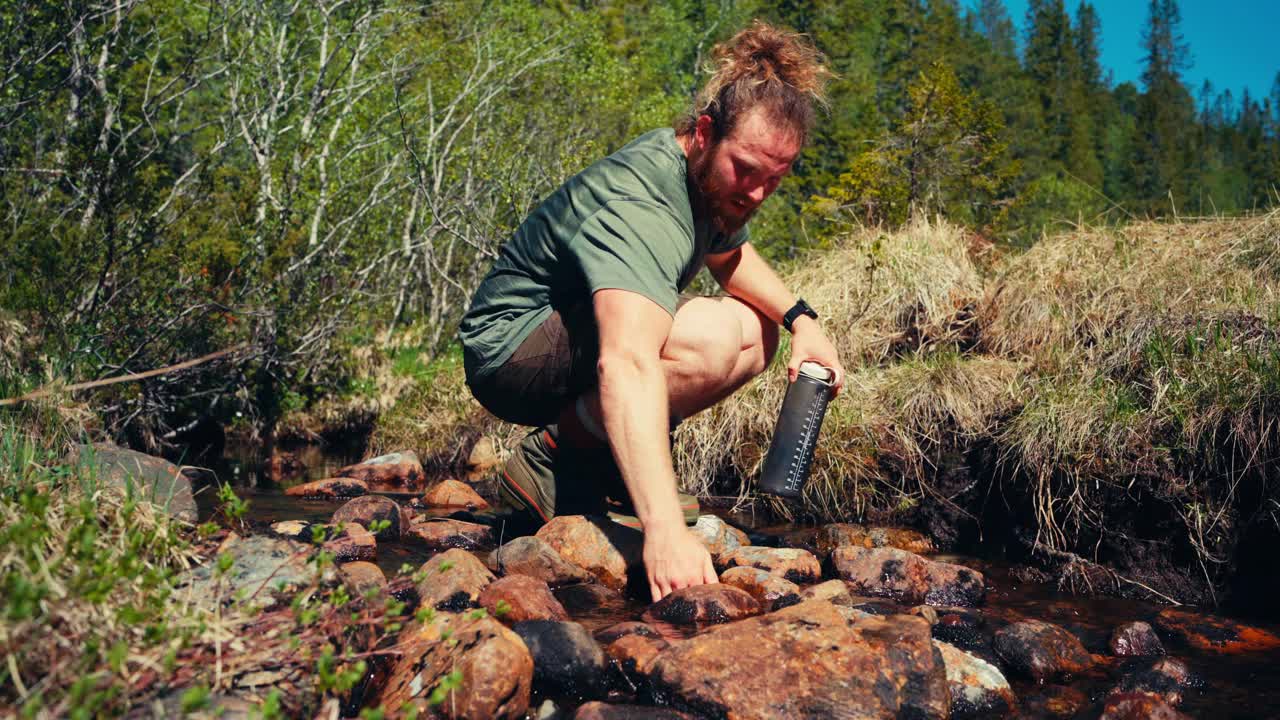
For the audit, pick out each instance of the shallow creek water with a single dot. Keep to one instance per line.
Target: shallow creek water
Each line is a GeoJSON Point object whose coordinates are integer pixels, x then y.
{"type": "Point", "coordinates": [1236, 687]}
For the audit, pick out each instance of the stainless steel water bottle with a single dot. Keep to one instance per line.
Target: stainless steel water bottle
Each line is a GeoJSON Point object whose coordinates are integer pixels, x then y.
{"type": "Point", "coordinates": [786, 467]}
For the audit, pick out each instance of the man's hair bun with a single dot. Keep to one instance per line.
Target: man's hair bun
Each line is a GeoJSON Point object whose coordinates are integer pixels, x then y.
{"type": "Point", "coordinates": [766, 67]}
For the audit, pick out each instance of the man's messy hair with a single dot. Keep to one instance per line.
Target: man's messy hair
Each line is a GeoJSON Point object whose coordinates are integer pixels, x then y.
{"type": "Point", "coordinates": [776, 70]}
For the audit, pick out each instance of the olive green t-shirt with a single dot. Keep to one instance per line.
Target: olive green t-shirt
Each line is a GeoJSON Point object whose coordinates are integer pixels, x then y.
{"type": "Point", "coordinates": [625, 222]}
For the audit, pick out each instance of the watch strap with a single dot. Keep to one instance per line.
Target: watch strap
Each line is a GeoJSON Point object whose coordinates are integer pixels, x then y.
{"type": "Point", "coordinates": [800, 308]}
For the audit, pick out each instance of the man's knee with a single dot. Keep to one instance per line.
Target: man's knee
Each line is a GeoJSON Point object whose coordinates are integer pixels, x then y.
{"type": "Point", "coordinates": [705, 341]}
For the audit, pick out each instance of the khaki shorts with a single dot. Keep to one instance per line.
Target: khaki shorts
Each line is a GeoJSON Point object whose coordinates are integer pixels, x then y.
{"type": "Point", "coordinates": [550, 369]}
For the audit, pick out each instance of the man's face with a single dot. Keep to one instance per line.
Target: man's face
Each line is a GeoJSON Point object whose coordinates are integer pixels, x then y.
{"type": "Point", "coordinates": [736, 174]}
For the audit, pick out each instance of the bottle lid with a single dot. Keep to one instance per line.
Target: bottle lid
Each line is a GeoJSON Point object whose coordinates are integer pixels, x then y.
{"type": "Point", "coordinates": [817, 371]}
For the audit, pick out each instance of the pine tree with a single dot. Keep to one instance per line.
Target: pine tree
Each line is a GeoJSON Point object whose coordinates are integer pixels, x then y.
{"type": "Point", "coordinates": [1163, 159]}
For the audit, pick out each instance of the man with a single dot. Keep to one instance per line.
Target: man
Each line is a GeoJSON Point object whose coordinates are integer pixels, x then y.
{"type": "Point", "coordinates": [580, 330]}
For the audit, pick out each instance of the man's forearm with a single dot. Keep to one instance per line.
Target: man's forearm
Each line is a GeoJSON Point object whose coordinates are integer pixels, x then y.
{"type": "Point", "coordinates": [750, 279]}
{"type": "Point", "coordinates": [633, 404]}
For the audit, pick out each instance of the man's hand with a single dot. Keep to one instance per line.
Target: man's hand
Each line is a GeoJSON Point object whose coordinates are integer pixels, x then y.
{"type": "Point", "coordinates": [809, 343]}
{"type": "Point", "coordinates": [674, 558]}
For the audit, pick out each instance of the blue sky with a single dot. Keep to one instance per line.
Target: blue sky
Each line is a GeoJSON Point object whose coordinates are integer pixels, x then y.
{"type": "Point", "coordinates": [1233, 42]}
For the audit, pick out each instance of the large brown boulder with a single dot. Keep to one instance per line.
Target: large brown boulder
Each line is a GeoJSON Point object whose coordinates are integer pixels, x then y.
{"type": "Point", "coordinates": [360, 577]}
{"type": "Point", "coordinates": [703, 605]}
{"type": "Point", "coordinates": [147, 477]}
{"type": "Point", "coordinates": [1214, 634]}
{"type": "Point", "coordinates": [908, 578]}
{"type": "Point", "coordinates": [798, 566]}
{"type": "Point", "coordinates": [806, 661]}
{"type": "Point", "coordinates": [605, 549]}
{"type": "Point", "coordinates": [771, 591]}
{"type": "Point", "coordinates": [395, 472]}
{"type": "Point", "coordinates": [1041, 651]}
{"type": "Point", "coordinates": [531, 555]}
{"type": "Point", "coordinates": [444, 533]}
{"type": "Point", "coordinates": [516, 598]}
{"type": "Point", "coordinates": [371, 509]}
{"type": "Point", "coordinates": [453, 493]}
{"type": "Point", "coordinates": [479, 668]}
{"type": "Point", "coordinates": [329, 489]}
{"type": "Point", "coordinates": [838, 535]}
{"type": "Point", "coordinates": [452, 580]}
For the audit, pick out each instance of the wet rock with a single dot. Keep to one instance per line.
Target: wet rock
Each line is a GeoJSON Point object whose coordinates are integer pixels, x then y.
{"type": "Point", "coordinates": [908, 578]}
{"type": "Point", "coordinates": [516, 598]}
{"type": "Point", "coordinates": [264, 570]}
{"type": "Point", "coordinates": [589, 598]}
{"type": "Point", "coordinates": [443, 533]}
{"type": "Point", "coordinates": [1138, 706]}
{"type": "Point", "coordinates": [634, 654]}
{"type": "Point", "coordinates": [771, 591]}
{"type": "Point", "coordinates": [493, 667]}
{"type": "Point", "coordinates": [603, 711]}
{"type": "Point", "coordinates": [928, 612]}
{"type": "Point", "coordinates": [329, 489]}
{"type": "Point", "coordinates": [1041, 650]}
{"type": "Point", "coordinates": [452, 580]}
{"type": "Point", "coordinates": [283, 465]}
{"type": "Point", "coordinates": [566, 659]}
{"type": "Point", "coordinates": [703, 605]}
{"type": "Point", "coordinates": [623, 629]}
{"type": "Point", "coordinates": [1054, 701]}
{"type": "Point", "coordinates": [351, 542]}
{"type": "Point", "coordinates": [145, 477]}
{"type": "Point", "coordinates": [1214, 634]}
{"type": "Point", "coordinates": [1135, 638]}
{"type": "Point", "coordinates": [605, 549]}
{"type": "Point", "coordinates": [718, 536]}
{"type": "Point", "coordinates": [532, 556]}
{"type": "Point", "coordinates": [483, 456]}
{"type": "Point", "coordinates": [405, 590]}
{"type": "Point", "coordinates": [798, 566]}
{"type": "Point", "coordinates": [1169, 678]}
{"type": "Point", "coordinates": [360, 577]}
{"type": "Point", "coordinates": [806, 661]}
{"type": "Point", "coordinates": [962, 629]}
{"type": "Point", "coordinates": [837, 535]}
{"type": "Point", "coordinates": [370, 509]}
{"type": "Point", "coordinates": [978, 688]}
{"type": "Point", "coordinates": [292, 529]}
{"type": "Point", "coordinates": [395, 472]}
{"type": "Point", "coordinates": [835, 591]}
{"type": "Point", "coordinates": [453, 493]}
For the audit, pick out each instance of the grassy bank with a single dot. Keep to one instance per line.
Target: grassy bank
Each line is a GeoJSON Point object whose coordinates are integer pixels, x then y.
{"type": "Point", "coordinates": [1102, 401]}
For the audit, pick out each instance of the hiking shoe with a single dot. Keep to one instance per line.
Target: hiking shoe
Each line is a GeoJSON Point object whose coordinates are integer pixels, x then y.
{"type": "Point", "coordinates": [528, 479]}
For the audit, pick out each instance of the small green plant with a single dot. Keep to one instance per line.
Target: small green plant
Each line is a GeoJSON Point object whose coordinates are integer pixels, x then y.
{"type": "Point", "coordinates": [447, 684]}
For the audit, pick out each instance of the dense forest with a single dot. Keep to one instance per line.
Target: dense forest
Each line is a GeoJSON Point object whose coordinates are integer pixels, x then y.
{"type": "Point", "coordinates": [310, 183]}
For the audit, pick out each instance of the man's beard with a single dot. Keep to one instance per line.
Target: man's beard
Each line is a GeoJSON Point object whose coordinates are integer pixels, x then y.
{"type": "Point", "coordinates": [711, 198]}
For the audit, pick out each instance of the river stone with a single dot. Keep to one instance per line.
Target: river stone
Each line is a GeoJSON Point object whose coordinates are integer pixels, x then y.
{"type": "Point", "coordinates": [963, 629]}
{"type": "Point", "coordinates": [597, 710]}
{"type": "Point", "coordinates": [566, 659]}
{"type": "Point", "coordinates": [395, 472]}
{"type": "Point", "coordinates": [531, 555]}
{"type": "Point", "coordinates": [360, 577]}
{"type": "Point", "coordinates": [146, 477]}
{"type": "Point", "coordinates": [369, 509]}
{"type": "Point", "coordinates": [1135, 638]}
{"type": "Point", "coordinates": [718, 536]}
{"type": "Point", "coordinates": [1138, 706]}
{"type": "Point", "coordinates": [264, 570]}
{"type": "Point", "coordinates": [798, 566]}
{"type": "Point", "coordinates": [453, 493]}
{"type": "Point", "coordinates": [978, 688]}
{"type": "Point", "coordinates": [837, 535]}
{"type": "Point", "coordinates": [771, 591]}
{"type": "Point", "coordinates": [590, 599]}
{"type": "Point", "coordinates": [806, 661]}
{"type": "Point", "coordinates": [835, 591]}
{"type": "Point", "coordinates": [329, 489]}
{"type": "Point", "coordinates": [1214, 634]}
{"type": "Point", "coordinates": [352, 542]}
{"type": "Point", "coordinates": [495, 665]}
{"type": "Point", "coordinates": [634, 654]}
{"type": "Point", "coordinates": [452, 580]}
{"type": "Point", "coordinates": [605, 549]}
{"type": "Point", "coordinates": [443, 533]}
{"type": "Point", "coordinates": [1167, 677]}
{"type": "Point", "coordinates": [703, 605]}
{"type": "Point", "coordinates": [292, 529]}
{"type": "Point", "coordinates": [908, 578]}
{"type": "Point", "coordinates": [483, 456]}
{"type": "Point", "coordinates": [1053, 701]}
{"type": "Point", "coordinates": [623, 629]}
{"type": "Point", "coordinates": [524, 597]}
{"type": "Point", "coordinates": [1041, 650]}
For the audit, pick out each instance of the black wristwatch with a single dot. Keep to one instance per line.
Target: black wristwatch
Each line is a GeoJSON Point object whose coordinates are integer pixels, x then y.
{"type": "Point", "coordinates": [800, 308]}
